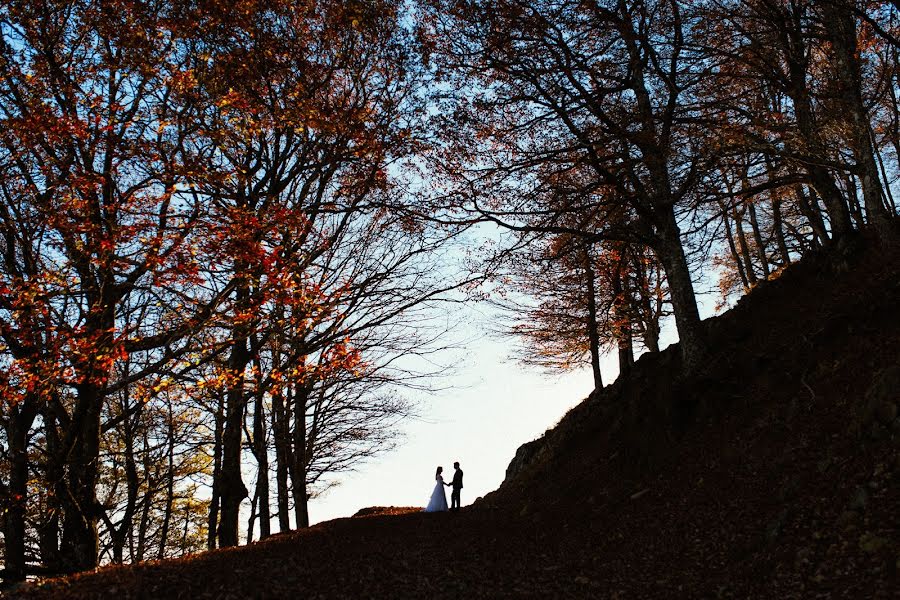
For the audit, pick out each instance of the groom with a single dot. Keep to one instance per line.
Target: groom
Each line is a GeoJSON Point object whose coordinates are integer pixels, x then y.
{"type": "Point", "coordinates": [457, 485]}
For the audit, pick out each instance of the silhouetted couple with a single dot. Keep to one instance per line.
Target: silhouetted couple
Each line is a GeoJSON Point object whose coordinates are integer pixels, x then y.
{"type": "Point", "coordinates": [438, 502]}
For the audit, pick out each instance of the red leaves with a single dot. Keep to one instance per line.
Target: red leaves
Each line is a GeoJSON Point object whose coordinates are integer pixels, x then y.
{"type": "Point", "coordinates": [96, 125]}
{"type": "Point", "coordinates": [185, 210]}
{"type": "Point", "coordinates": [343, 356]}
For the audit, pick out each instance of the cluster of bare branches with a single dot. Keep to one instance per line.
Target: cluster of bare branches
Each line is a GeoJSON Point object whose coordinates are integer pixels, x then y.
{"type": "Point", "coordinates": [729, 135]}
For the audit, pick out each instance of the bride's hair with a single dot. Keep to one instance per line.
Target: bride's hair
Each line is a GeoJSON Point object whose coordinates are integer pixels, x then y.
{"type": "Point", "coordinates": [438, 472]}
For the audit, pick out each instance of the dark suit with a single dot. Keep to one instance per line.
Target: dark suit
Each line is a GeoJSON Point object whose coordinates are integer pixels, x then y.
{"type": "Point", "coordinates": [457, 485]}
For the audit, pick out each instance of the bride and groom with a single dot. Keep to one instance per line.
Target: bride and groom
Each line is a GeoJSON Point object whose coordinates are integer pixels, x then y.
{"type": "Point", "coordinates": [438, 502]}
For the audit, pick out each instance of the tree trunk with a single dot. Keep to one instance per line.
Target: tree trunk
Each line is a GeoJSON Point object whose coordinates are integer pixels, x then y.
{"type": "Point", "coordinates": [17, 493]}
{"type": "Point", "coordinates": [626, 352]}
{"type": "Point", "coordinates": [778, 232]}
{"type": "Point", "coordinates": [142, 545]}
{"type": "Point", "coordinates": [743, 246]}
{"type": "Point", "coordinates": [622, 320]}
{"type": "Point", "coordinates": [813, 150]}
{"type": "Point", "coordinates": [835, 207]}
{"type": "Point", "coordinates": [735, 256]}
{"type": "Point", "coordinates": [282, 440]}
{"type": "Point", "coordinates": [232, 490]}
{"type": "Point", "coordinates": [185, 530]}
{"type": "Point", "coordinates": [649, 315]}
{"type": "Point", "coordinates": [894, 104]}
{"type": "Point", "coordinates": [212, 520]}
{"type": "Point", "coordinates": [147, 500]}
{"type": "Point", "coordinates": [812, 214]}
{"type": "Point", "coordinates": [81, 542]}
{"type": "Point", "coordinates": [681, 289]}
{"type": "Point", "coordinates": [659, 199]}
{"type": "Point", "coordinates": [170, 482]}
{"type": "Point", "coordinates": [853, 202]}
{"type": "Point", "coordinates": [251, 520]}
{"type": "Point", "coordinates": [120, 534]}
{"type": "Point", "coordinates": [777, 216]}
{"type": "Point", "coordinates": [593, 332]}
{"type": "Point", "coordinates": [231, 485]}
{"type": "Point", "coordinates": [262, 460]}
{"type": "Point", "coordinates": [298, 472]}
{"type": "Point", "coordinates": [651, 335]}
{"type": "Point", "coordinates": [843, 35]}
{"type": "Point", "coordinates": [758, 240]}
{"type": "Point", "coordinates": [48, 531]}
{"type": "Point", "coordinates": [891, 203]}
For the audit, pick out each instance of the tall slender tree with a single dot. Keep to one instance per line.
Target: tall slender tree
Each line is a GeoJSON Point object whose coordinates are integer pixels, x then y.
{"type": "Point", "coordinates": [578, 113]}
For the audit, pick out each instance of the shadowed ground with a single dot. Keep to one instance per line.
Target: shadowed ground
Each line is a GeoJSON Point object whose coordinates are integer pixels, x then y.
{"type": "Point", "coordinates": [773, 473]}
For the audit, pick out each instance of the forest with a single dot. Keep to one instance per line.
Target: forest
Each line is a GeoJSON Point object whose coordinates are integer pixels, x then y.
{"type": "Point", "coordinates": [231, 230]}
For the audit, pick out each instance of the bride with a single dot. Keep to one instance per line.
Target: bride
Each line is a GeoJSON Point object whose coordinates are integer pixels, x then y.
{"type": "Point", "coordinates": [438, 500]}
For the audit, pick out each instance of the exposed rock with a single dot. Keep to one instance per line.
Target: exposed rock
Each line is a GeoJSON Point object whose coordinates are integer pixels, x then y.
{"type": "Point", "coordinates": [525, 455]}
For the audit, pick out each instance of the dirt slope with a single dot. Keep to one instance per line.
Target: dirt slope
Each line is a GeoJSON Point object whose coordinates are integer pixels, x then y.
{"type": "Point", "coordinates": [774, 473]}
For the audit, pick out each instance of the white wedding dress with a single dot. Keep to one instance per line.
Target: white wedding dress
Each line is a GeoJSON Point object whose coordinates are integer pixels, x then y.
{"type": "Point", "coordinates": [438, 502]}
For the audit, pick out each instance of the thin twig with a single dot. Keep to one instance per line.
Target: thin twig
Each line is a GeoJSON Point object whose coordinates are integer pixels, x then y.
{"type": "Point", "coordinates": [812, 394]}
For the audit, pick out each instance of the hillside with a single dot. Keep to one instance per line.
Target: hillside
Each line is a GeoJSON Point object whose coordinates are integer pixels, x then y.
{"type": "Point", "coordinates": [773, 473]}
